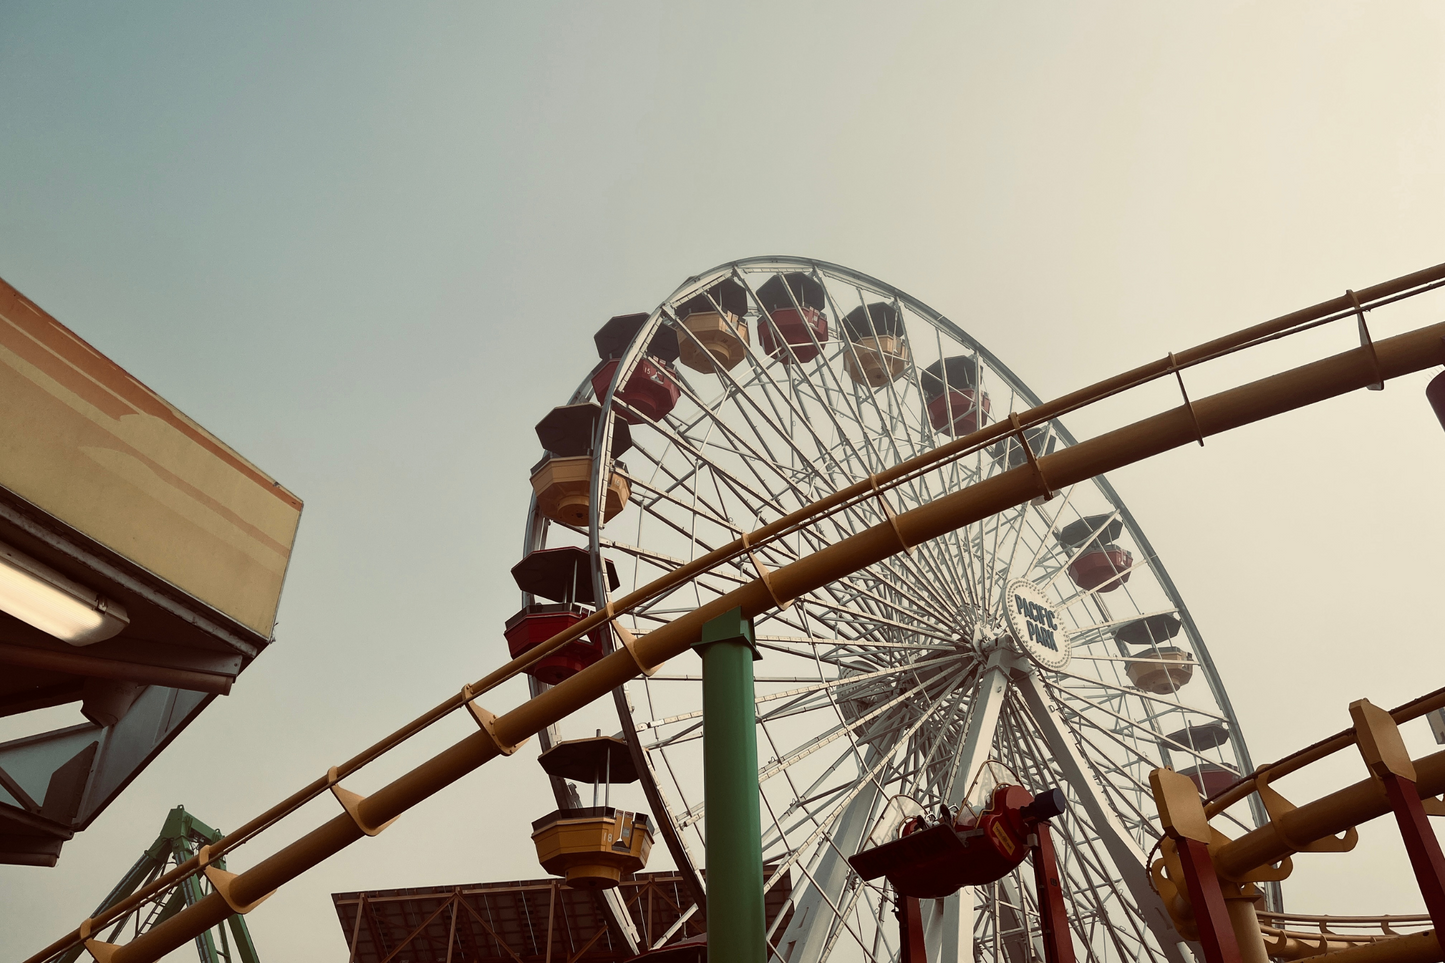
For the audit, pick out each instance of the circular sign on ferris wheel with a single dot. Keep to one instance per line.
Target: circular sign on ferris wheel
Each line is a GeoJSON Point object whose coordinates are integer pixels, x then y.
{"type": "Point", "coordinates": [1039, 630]}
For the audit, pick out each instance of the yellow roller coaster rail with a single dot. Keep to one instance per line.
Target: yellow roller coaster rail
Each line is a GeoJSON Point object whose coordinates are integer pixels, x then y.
{"type": "Point", "coordinates": [1207, 879]}
{"type": "Point", "coordinates": [1286, 939]}
{"type": "Point", "coordinates": [1369, 365]}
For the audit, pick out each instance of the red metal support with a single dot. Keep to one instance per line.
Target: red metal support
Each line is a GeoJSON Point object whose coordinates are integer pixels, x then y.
{"type": "Point", "coordinates": [1207, 899]}
{"type": "Point", "coordinates": [1182, 813]}
{"type": "Point", "coordinates": [910, 931]}
{"type": "Point", "coordinates": [1053, 916]}
{"type": "Point", "coordinates": [1420, 843]}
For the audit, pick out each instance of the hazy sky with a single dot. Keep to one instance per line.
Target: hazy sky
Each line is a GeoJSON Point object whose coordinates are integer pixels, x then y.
{"type": "Point", "coordinates": [367, 245]}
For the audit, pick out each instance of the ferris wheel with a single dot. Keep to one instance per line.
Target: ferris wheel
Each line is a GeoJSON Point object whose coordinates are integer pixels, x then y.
{"type": "Point", "coordinates": [1047, 641]}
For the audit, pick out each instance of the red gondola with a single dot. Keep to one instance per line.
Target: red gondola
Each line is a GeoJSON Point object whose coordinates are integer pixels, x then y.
{"type": "Point", "coordinates": [956, 404]}
{"type": "Point", "coordinates": [794, 302]}
{"type": "Point", "coordinates": [1100, 565]}
{"type": "Point", "coordinates": [563, 575]}
{"type": "Point", "coordinates": [535, 624]}
{"type": "Point", "coordinates": [1210, 779]}
{"type": "Point", "coordinates": [652, 390]}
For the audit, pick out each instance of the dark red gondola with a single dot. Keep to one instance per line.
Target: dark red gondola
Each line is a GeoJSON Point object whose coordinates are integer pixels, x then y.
{"type": "Point", "coordinates": [1207, 735]}
{"type": "Point", "coordinates": [563, 575]}
{"type": "Point", "coordinates": [956, 403]}
{"type": "Point", "coordinates": [1151, 630]}
{"type": "Point", "coordinates": [1010, 454]}
{"type": "Point", "coordinates": [1101, 566]}
{"type": "Point", "coordinates": [795, 303]}
{"type": "Point", "coordinates": [1210, 779]}
{"type": "Point", "coordinates": [652, 390]}
{"type": "Point", "coordinates": [535, 624]}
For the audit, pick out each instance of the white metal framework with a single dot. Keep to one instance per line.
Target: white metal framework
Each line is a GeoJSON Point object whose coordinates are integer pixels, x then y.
{"type": "Point", "coordinates": [902, 678]}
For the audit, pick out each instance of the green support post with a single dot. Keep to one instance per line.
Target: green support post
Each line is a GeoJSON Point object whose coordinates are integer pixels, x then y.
{"type": "Point", "coordinates": [735, 920]}
{"type": "Point", "coordinates": [181, 837]}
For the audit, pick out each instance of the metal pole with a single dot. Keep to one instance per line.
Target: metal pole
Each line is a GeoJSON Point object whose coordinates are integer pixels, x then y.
{"type": "Point", "coordinates": [1053, 915]}
{"type": "Point", "coordinates": [1388, 760]}
{"type": "Point", "coordinates": [735, 920]}
{"type": "Point", "coordinates": [910, 931]}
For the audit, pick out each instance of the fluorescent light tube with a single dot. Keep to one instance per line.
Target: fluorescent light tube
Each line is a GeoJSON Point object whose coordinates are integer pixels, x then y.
{"type": "Point", "coordinates": [39, 595]}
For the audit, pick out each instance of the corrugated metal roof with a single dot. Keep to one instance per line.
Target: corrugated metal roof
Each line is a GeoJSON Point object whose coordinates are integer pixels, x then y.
{"type": "Point", "coordinates": [520, 921]}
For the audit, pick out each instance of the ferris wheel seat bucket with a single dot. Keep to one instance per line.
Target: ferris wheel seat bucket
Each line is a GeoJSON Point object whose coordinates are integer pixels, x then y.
{"type": "Point", "coordinates": [958, 372]}
{"type": "Point", "coordinates": [561, 574]}
{"type": "Point", "coordinates": [1151, 630]}
{"type": "Point", "coordinates": [1209, 735]}
{"type": "Point", "coordinates": [790, 336]}
{"type": "Point", "coordinates": [1210, 779]}
{"type": "Point", "coordinates": [795, 288]}
{"type": "Point", "coordinates": [563, 487]}
{"type": "Point", "coordinates": [1010, 454]}
{"type": "Point", "coordinates": [961, 411]}
{"type": "Point", "coordinates": [727, 296]}
{"type": "Point", "coordinates": [568, 431]}
{"type": "Point", "coordinates": [592, 847]}
{"type": "Point", "coordinates": [717, 341]}
{"type": "Point", "coordinates": [1102, 569]}
{"type": "Point", "coordinates": [591, 760]}
{"type": "Point", "coordinates": [934, 862]}
{"type": "Point", "coordinates": [536, 624]}
{"type": "Point", "coordinates": [1167, 669]}
{"type": "Point", "coordinates": [1090, 528]}
{"type": "Point", "coordinates": [652, 391]}
{"type": "Point", "coordinates": [613, 338]}
{"type": "Point", "coordinates": [876, 361]}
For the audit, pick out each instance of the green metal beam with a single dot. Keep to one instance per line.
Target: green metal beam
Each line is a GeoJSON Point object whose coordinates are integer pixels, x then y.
{"type": "Point", "coordinates": [736, 929]}
{"type": "Point", "coordinates": [180, 837]}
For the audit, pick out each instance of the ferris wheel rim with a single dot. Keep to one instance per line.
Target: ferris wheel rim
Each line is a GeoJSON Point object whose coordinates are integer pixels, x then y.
{"type": "Point", "coordinates": [865, 282]}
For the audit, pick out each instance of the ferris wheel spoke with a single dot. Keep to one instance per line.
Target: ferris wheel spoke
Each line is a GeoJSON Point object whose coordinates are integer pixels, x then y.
{"type": "Point", "coordinates": [1127, 804]}
{"type": "Point", "coordinates": [867, 465]}
{"type": "Point", "coordinates": [1158, 739]}
{"type": "Point", "coordinates": [931, 760]}
{"type": "Point", "coordinates": [773, 392]}
{"type": "Point", "coordinates": [1002, 574]}
{"type": "Point", "coordinates": [998, 577]}
{"type": "Point", "coordinates": [679, 481]}
{"type": "Point", "coordinates": [1099, 627]}
{"type": "Point", "coordinates": [871, 726]}
{"type": "Point", "coordinates": [1131, 692]}
{"type": "Point", "coordinates": [1115, 576]}
{"type": "Point", "coordinates": [829, 859]}
{"type": "Point", "coordinates": [772, 550]}
{"type": "Point", "coordinates": [741, 490]}
{"type": "Point", "coordinates": [1124, 851]}
{"type": "Point", "coordinates": [1030, 746]}
{"type": "Point", "coordinates": [1046, 543]}
{"type": "Point", "coordinates": [1074, 554]}
{"type": "Point", "coordinates": [691, 508]}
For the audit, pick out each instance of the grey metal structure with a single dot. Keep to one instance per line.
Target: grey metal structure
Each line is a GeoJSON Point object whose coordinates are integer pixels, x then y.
{"type": "Point", "coordinates": [134, 694]}
{"type": "Point", "coordinates": [904, 678]}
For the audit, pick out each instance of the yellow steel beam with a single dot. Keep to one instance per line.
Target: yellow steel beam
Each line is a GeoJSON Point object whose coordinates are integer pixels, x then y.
{"type": "Point", "coordinates": [1376, 295]}
{"type": "Point", "coordinates": [1184, 425]}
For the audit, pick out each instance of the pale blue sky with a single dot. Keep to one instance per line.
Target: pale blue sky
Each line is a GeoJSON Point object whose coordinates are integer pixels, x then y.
{"type": "Point", "coordinates": [367, 245]}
